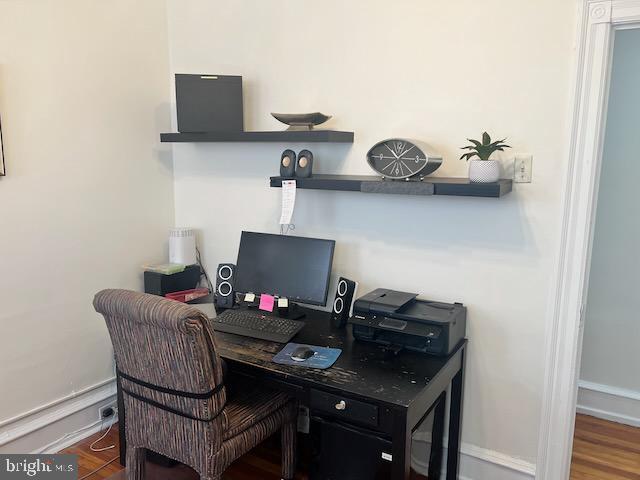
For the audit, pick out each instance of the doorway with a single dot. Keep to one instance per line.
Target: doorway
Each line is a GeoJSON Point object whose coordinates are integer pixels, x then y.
{"type": "Point", "coordinates": [607, 432]}
{"type": "Point", "coordinates": [599, 22]}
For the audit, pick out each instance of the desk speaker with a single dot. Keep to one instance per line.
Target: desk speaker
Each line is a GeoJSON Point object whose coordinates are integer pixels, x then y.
{"type": "Point", "coordinates": [225, 278]}
{"type": "Point", "coordinates": [343, 303]}
{"type": "Point", "coordinates": [304, 165]}
{"type": "Point", "coordinates": [288, 164]}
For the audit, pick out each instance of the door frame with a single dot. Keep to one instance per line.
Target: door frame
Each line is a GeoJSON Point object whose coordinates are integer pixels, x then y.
{"type": "Point", "coordinates": [598, 20]}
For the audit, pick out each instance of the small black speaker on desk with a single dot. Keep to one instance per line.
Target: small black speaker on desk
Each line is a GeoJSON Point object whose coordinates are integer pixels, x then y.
{"type": "Point", "coordinates": [225, 278]}
{"type": "Point", "coordinates": [342, 304]}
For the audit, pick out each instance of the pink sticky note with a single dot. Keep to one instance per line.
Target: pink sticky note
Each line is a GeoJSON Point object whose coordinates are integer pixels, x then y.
{"type": "Point", "coordinates": [266, 302]}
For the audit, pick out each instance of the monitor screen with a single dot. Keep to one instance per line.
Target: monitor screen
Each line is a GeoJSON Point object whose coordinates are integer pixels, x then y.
{"type": "Point", "coordinates": [297, 268]}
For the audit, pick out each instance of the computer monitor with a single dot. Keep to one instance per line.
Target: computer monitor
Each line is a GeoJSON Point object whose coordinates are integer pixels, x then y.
{"type": "Point", "coordinates": [297, 268]}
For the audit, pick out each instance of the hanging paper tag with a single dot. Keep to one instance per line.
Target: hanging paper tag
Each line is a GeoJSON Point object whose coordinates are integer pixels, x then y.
{"type": "Point", "coordinates": [288, 201]}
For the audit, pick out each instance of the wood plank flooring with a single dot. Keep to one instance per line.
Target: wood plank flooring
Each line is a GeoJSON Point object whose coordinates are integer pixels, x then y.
{"type": "Point", "coordinates": [262, 463]}
{"type": "Point", "coordinates": [602, 451]}
{"type": "Point", "coordinates": [89, 461]}
{"type": "Point", "coordinates": [605, 450]}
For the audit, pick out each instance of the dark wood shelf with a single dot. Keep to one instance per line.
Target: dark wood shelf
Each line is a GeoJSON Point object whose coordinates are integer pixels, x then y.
{"type": "Point", "coordinates": [429, 186]}
{"type": "Point", "coordinates": [327, 136]}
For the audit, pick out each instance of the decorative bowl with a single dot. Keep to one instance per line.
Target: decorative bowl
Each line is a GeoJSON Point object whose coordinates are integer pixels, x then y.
{"type": "Point", "coordinates": [301, 121]}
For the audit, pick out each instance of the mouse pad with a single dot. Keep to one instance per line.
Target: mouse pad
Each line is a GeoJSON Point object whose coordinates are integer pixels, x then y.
{"type": "Point", "coordinates": [324, 357]}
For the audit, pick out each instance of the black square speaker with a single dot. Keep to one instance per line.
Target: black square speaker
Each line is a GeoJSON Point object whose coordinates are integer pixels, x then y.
{"type": "Point", "coordinates": [343, 302]}
{"type": "Point", "coordinates": [225, 291]}
{"type": "Point", "coordinates": [209, 103]}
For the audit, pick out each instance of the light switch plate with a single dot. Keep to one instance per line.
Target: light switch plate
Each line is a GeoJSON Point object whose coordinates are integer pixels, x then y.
{"type": "Point", "coordinates": [522, 168]}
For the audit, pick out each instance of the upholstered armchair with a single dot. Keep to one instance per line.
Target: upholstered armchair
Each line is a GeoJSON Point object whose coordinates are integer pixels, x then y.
{"type": "Point", "coordinates": [175, 398]}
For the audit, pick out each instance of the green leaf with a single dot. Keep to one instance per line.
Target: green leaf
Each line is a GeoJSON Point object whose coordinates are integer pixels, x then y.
{"type": "Point", "coordinates": [483, 150]}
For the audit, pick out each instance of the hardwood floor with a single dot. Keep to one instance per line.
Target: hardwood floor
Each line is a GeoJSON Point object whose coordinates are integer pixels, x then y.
{"type": "Point", "coordinates": [89, 461]}
{"type": "Point", "coordinates": [262, 463]}
{"type": "Point", "coordinates": [601, 451]}
{"type": "Point", "coordinates": [605, 450]}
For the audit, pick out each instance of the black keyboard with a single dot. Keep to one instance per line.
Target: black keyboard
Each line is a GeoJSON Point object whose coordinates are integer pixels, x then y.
{"type": "Point", "coordinates": [257, 325]}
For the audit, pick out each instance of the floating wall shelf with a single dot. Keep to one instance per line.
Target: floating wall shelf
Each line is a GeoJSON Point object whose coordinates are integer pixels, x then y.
{"type": "Point", "coordinates": [327, 136]}
{"type": "Point", "coordinates": [429, 186]}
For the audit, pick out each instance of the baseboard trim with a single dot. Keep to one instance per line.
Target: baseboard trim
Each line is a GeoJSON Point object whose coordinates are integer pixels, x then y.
{"type": "Point", "coordinates": [477, 463]}
{"type": "Point", "coordinates": [609, 403]}
{"type": "Point", "coordinates": [58, 401]}
{"type": "Point", "coordinates": [39, 428]}
{"type": "Point", "coordinates": [67, 441]}
{"type": "Point", "coordinates": [500, 459]}
{"type": "Point", "coordinates": [606, 415]}
{"type": "Point", "coordinates": [609, 390]}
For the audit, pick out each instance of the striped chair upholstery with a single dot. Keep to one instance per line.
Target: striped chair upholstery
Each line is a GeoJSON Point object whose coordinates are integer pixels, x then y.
{"type": "Point", "coordinates": [175, 401]}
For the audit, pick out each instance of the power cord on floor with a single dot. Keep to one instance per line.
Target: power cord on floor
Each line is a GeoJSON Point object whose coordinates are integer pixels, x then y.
{"type": "Point", "coordinates": [93, 448]}
{"type": "Point", "coordinates": [99, 468]}
{"type": "Point", "coordinates": [65, 436]}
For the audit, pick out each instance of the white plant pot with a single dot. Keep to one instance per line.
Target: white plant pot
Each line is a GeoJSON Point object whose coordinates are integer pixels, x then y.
{"type": "Point", "coordinates": [484, 171]}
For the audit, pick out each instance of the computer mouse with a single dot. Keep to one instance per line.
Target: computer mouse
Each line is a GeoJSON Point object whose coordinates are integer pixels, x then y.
{"type": "Point", "coordinates": [300, 354]}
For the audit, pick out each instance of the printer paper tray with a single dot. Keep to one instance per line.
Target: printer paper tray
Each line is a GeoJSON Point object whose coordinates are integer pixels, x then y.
{"type": "Point", "coordinates": [399, 326]}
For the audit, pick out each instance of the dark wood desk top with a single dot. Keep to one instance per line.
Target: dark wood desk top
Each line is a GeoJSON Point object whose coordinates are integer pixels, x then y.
{"type": "Point", "coordinates": [363, 369]}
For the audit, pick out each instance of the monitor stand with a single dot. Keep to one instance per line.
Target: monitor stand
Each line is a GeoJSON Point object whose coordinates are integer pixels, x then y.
{"type": "Point", "coordinates": [294, 312]}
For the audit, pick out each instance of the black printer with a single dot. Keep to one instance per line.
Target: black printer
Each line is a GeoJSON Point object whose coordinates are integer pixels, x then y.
{"type": "Point", "coordinates": [399, 321]}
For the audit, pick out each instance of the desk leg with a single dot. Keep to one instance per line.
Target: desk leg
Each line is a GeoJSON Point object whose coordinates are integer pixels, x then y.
{"type": "Point", "coordinates": [401, 448]}
{"type": "Point", "coordinates": [455, 422]}
{"type": "Point", "coordinates": [121, 424]}
{"type": "Point", "coordinates": [437, 450]}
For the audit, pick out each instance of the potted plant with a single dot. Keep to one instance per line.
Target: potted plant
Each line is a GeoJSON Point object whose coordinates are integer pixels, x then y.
{"type": "Point", "coordinates": [483, 170]}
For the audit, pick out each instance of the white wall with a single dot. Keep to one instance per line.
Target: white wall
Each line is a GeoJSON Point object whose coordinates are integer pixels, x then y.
{"type": "Point", "coordinates": [88, 197]}
{"type": "Point", "coordinates": [436, 71]}
{"type": "Point", "coordinates": [611, 356]}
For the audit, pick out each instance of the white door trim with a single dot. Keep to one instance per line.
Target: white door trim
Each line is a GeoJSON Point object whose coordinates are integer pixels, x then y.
{"type": "Point", "coordinates": [597, 21]}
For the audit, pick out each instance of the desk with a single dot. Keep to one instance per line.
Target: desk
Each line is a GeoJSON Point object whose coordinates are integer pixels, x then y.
{"type": "Point", "coordinates": [399, 391]}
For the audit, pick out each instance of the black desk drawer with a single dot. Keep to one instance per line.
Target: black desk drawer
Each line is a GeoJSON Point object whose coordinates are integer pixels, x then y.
{"type": "Point", "coordinates": [344, 407]}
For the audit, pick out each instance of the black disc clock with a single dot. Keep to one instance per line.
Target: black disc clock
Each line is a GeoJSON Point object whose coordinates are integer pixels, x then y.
{"type": "Point", "coordinates": [400, 159]}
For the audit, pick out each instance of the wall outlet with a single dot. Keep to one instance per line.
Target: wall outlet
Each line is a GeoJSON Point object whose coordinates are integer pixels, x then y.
{"type": "Point", "coordinates": [107, 411]}
{"type": "Point", "coordinates": [522, 168]}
